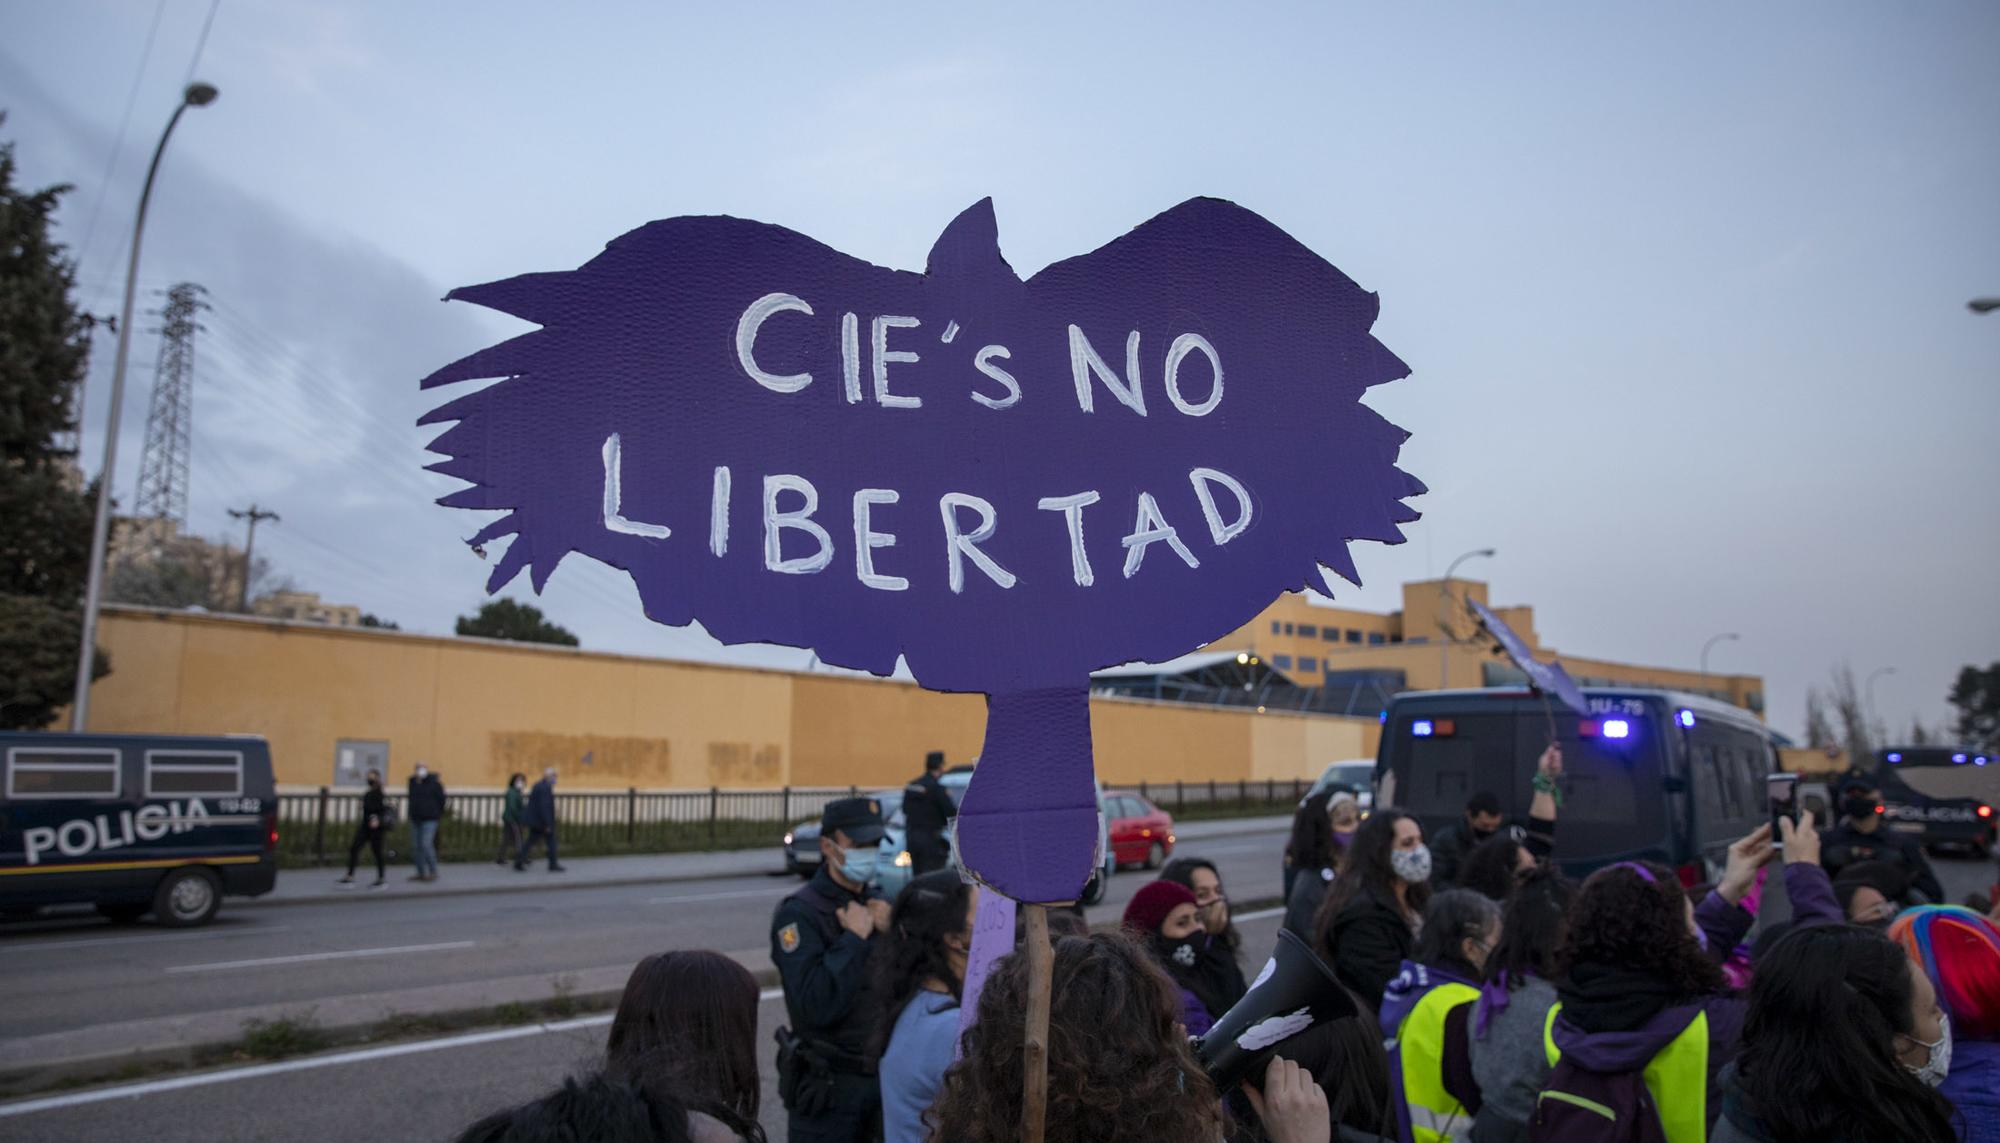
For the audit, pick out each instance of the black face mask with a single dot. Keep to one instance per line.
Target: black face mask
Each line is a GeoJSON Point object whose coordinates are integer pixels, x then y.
{"type": "Point", "coordinates": [1858, 807]}
{"type": "Point", "coordinates": [1179, 956]}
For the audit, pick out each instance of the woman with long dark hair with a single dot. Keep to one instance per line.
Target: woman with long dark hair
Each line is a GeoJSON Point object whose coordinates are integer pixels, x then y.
{"type": "Point", "coordinates": [1120, 1068]}
{"type": "Point", "coordinates": [1310, 847]}
{"type": "Point", "coordinates": [919, 971]}
{"type": "Point", "coordinates": [1424, 1015]}
{"type": "Point", "coordinates": [1304, 892]}
{"type": "Point", "coordinates": [1842, 1042]}
{"type": "Point", "coordinates": [1218, 965]}
{"type": "Point", "coordinates": [1368, 923]}
{"type": "Point", "coordinates": [1509, 1059]}
{"type": "Point", "coordinates": [687, 1028]}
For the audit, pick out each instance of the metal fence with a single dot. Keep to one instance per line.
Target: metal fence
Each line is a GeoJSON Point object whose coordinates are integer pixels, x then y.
{"type": "Point", "coordinates": [317, 828]}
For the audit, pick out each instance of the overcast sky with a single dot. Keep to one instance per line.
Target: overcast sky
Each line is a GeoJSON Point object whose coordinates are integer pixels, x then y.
{"type": "Point", "coordinates": [1683, 290]}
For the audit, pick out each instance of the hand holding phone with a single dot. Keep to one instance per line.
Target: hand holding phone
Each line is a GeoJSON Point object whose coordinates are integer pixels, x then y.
{"type": "Point", "coordinates": [1783, 792]}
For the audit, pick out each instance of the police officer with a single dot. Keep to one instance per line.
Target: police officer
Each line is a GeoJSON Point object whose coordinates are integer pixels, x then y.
{"type": "Point", "coordinates": [926, 809]}
{"type": "Point", "coordinates": [821, 940]}
{"type": "Point", "coordinates": [1861, 836]}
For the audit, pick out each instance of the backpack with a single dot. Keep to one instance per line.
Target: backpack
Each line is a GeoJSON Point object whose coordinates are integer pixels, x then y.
{"type": "Point", "coordinates": [1577, 1105]}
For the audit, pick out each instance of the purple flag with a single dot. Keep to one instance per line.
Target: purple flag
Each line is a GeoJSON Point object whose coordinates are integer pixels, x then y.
{"type": "Point", "coordinates": [1006, 484]}
{"type": "Point", "coordinates": [1548, 678]}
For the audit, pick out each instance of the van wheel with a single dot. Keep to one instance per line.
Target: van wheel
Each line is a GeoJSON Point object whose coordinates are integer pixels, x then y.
{"type": "Point", "coordinates": [123, 913]}
{"type": "Point", "coordinates": [187, 897]}
{"type": "Point", "coordinates": [1156, 856]}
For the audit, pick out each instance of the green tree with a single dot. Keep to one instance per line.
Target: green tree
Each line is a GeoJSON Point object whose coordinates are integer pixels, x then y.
{"type": "Point", "coordinates": [506, 619]}
{"type": "Point", "coordinates": [1976, 694]}
{"type": "Point", "coordinates": [45, 510]}
{"type": "Point", "coordinates": [370, 619]}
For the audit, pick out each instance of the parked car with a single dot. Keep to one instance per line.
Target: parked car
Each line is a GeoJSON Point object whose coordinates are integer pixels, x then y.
{"type": "Point", "coordinates": [1355, 775]}
{"type": "Point", "coordinates": [1141, 833]}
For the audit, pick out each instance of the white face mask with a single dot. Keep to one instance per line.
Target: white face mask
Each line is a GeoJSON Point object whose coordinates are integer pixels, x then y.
{"type": "Point", "coordinates": [1938, 1066]}
{"type": "Point", "coordinates": [1412, 865]}
{"type": "Point", "coordinates": [423, 771]}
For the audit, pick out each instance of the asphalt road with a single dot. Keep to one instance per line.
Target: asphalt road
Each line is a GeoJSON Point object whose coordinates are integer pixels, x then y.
{"type": "Point", "coordinates": [60, 974]}
{"type": "Point", "coordinates": [434, 1088]}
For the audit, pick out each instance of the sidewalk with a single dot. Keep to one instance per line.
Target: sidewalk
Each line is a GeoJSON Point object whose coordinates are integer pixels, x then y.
{"type": "Point", "coordinates": [320, 886]}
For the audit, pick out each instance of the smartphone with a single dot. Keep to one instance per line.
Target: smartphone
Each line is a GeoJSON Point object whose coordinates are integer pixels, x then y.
{"type": "Point", "coordinates": [1783, 792]}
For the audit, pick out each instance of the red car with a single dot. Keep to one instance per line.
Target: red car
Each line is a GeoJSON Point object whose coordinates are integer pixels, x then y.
{"type": "Point", "coordinates": [1141, 832]}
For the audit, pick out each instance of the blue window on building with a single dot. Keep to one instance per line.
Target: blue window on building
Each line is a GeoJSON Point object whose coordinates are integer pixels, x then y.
{"type": "Point", "coordinates": [1330, 634]}
{"type": "Point", "coordinates": [1353, 636]}
{"type": "Point", "coordinates": [1308, 631]}
{"type": "Point", "coordinates": [1282, 662]}
{"type": "Point", "coordinates": [1308, 663]}
{"type": "Point", "coordinates": [1276, 627]}
{"type": "Point", "coordinates": [1288, 629]}
{"type": "Point", "coordinates": [1394, 638]}
{"type": "Point", "coordinates": [1376, 638]}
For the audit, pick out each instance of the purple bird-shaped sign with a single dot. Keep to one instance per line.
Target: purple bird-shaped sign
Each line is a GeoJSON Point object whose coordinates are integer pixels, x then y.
{"type": "Point", "coordinates": [1549, 678]}
{"type": "Point", "coordinates": [1005, 484]}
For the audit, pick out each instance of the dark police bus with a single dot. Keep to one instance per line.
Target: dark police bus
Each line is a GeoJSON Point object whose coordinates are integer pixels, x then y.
{"type": "Point", "coordinates": [135, 824]}
{"type": "Point", "coordinates": [1651, 774]}
{"type": "Point", "coordinates": [1944, 795]}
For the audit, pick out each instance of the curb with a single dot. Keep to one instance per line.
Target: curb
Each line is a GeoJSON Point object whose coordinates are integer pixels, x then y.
{"type": "Point", "coordinates": [22, 1080]}
{"type": "Point", "coordinates": [624, 881]}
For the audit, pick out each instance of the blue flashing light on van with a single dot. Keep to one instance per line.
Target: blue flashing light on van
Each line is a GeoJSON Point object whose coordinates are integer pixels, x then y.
{"type": "Point", "coordinates": [135, 824]}
{"type": "Point", "coordinates": [1676, 798]}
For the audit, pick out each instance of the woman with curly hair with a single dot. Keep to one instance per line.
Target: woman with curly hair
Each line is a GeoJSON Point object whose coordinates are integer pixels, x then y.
{"type": "Point", "coordinates": [1643, 993]}
{"type": "Point", "coordinates": [1368, 923]}
{"type": "Point", "coordinates": [918, 974]}
{"type": "Point", "coordinates": [686, 1028]}
{"type": "Point", "coordinates": [1843, 1042]}
{"type": "Point", "coordinates": [1958, 951]}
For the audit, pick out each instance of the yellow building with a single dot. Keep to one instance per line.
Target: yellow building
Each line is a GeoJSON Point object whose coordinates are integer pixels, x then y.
{"type": "Point", "coordinates": [1434, 643]}
{"type": "Point", "coordinates": [334, 700]}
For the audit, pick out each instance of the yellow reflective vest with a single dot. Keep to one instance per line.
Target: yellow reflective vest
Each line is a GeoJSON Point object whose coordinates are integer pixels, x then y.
{"type": "Point", "coordinates": [1430, 1114]}
{"type": "Point", "coordinates": [1676, 1076]}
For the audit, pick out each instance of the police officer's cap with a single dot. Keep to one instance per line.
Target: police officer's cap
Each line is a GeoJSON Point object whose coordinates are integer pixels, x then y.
{"type": "Point", "coordinates": [859, 818]}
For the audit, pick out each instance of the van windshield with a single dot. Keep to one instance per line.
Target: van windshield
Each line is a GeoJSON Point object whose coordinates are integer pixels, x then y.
{"type": "Point", "coordinates": [1612, 800]}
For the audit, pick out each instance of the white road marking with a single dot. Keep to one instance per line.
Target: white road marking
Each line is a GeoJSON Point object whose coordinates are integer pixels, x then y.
{"type": "Point", "coordinates": [141, 938]}
{"type": "Point", "coordinates": [712, 896]}
{"type": "Point", "coordinates": [302, 957]}
{"type": "Point", "coordinates": [359, 1056]}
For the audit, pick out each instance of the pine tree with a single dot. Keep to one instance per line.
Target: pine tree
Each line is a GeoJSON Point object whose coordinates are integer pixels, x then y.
{"type": "Point", "coordinates": [45, 541]}
{"type": "Point", "coordinates": [521, 622]}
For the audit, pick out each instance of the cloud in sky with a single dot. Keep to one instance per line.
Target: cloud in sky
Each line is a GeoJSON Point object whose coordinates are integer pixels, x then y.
{"type": "Point", "coordinates": [1683, 290]}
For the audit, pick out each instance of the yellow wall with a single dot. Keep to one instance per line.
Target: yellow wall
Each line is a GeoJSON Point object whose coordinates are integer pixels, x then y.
{"type": "Point", "coordinates": [476, 710]}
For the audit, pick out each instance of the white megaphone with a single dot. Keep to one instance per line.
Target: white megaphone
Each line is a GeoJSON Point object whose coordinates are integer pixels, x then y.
{"type": "Point", "coordinates": [1294, 992]}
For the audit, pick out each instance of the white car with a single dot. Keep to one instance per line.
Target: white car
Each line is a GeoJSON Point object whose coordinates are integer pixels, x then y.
{"type": "Point", "coordinates": [1356, 774]}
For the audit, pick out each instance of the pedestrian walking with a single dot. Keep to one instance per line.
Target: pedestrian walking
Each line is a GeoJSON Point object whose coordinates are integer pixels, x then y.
{"type": "Point", "coordinates": [426, 804]}
{"type": "Point", "coordinates": [540, 818]}
{"type": "Point", "coordinates": [823, 939]}
{"type": "Point", "coordinates": [368, 829]}
{"type": "Point", "coordinates": [918, 976]}
{"type": "Point", "coordinates": [927, 810]}
{"type": "Point", "coordinates": [511, 809]}
{"type": "Point", "coordinates": [686, 1027]}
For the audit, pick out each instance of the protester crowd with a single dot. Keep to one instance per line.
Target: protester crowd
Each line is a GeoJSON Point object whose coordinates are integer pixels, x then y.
{"type": "Point", "coordinates": [1801, 996]}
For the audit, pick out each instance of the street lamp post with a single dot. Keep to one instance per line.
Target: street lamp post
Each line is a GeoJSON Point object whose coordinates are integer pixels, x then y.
{"type": "Point", "coordinates": [1444, 596]}
{"type": "Point", "coordinates": [196, 95]}
{"type": "Point", "coordinates": [1868, 691]}
{"type": "Point", "coordinates": [1725, 637]}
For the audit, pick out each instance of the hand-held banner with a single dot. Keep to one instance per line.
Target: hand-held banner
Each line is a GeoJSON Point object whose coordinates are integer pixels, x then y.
{"type": "Point", "coordinates": [1006, 484]}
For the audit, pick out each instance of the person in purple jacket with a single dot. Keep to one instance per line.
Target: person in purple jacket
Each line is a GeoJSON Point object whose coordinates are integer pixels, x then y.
{"type": "Point", "coordinates": [1641, 980]}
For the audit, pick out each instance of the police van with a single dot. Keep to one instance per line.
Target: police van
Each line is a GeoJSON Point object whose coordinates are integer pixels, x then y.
{"type": "Point", "coordinates": [135, 824]}
{"type": "Point", "coordinates": [1942, 795]}
{"type": "Point", "coordinates": [1647, 774]}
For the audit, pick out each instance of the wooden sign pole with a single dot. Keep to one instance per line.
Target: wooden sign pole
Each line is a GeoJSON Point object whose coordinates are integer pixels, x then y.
{"type": "Point", "coordinates": [1035, 1046]}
